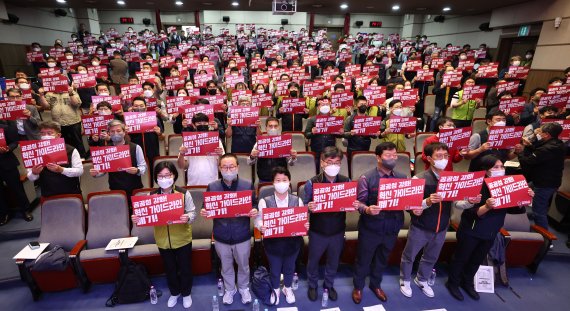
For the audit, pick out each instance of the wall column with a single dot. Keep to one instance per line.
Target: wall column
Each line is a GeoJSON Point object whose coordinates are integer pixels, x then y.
{"type": "Point", "coordinates": [90, 18]}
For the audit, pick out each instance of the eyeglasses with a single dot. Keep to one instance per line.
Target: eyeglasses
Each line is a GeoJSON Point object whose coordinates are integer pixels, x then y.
{"type": "Point", "coordinates": [163, 176]}
{"type": "Point", "coordinates": [228, 168]}
{"type": "Point", "coordinates": [331, 163]}
{"type": "Point", "coordinates": [445, 156]}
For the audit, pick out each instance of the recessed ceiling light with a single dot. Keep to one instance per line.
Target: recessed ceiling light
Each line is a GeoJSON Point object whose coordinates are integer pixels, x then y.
{"type": "Point", "coordinates": [344, 6]}
{"type": "Point", "coordinates": [446, 9]}
{"type": "Point", "coordinates": [120, 2]}
{"type": "Point", "coordinates": [395, 7]}
{"type": "Point", "coordinates": [207, 3]}
{"type": "Point", "coordinates": [235, 3]}
{"type": "Point", "coordinates": [179, 3]}
{"type": "Point", "coordinates": [60, 1]}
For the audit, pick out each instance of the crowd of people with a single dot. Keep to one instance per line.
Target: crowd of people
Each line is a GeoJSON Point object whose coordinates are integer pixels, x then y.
{"type": "Point", "coordinates": [373, 69]}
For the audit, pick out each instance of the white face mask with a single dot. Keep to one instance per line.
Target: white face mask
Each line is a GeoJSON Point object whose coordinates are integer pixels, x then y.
{"type": "Point", "coordinates": [83, 72]}
{"type": "Point", "coordinates": [113, 45]}
{"type": "Point", "coordinates": [517, 63]}
{"type": "Point", "coordinates": [37, 49]}
{"type": "Point", "coordinates": [100, 52]}
{"type": "Point", "coordinates": [51, 65]}
{"type": "Point", "coordinates": [332, 170]}
{"type": "Point", "coordinates": [182, 95]}
{"type": "Point", "coordinates": [148, 93]}
{"type": "Point", "coordinates": [69, 57]}
{"type": "Point", "coordinates": [165, 183]}
{"type": "Point", "coordinates": [80, 51]}
{"type": "Point", "coordinates": [105, 113]}
{"type": "Point", "coordinates": [397, 112]}
{"type": "Point", "coordinates": [463, 57]}
{"type": "Point", "coordinates": [557, 84]}
{"type": "Point", "coordinates": [538, 137]}
{"type": "Point", "coordinates": [260, 91]}
{"type": "Point", "coordinates": [325, 109]}
{"type": "Point", "coordinates": [500, 123]}
{"type": "Point", "coordinates": [281, 187]}
{"type": "Point", "coordinates": [528, 56]}
{"type": "Point", "coordinates": [497, 173]}
{"type": "Point", "coordinates": [95, 63]}
{"type": "Point", "coordinates": [273, 132]}
{"type": "Point", "coordinates": [47, 137]}
{"type": "Point", "coordinates": [440, 164]}
{"type": "Point", "coordinates": [103, 94]}
{"type": "Point", "coordinates": [24, 86]}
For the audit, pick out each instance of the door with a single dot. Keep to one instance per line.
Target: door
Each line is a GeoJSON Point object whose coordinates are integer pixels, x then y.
{"type": "Point", "coordinates": [509, 47]}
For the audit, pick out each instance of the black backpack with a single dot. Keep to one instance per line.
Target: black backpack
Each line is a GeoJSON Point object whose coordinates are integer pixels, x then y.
{"type": "Point", "coordinates": [261, 286]}
{"type": "Point", "coordinates": [133, 285]}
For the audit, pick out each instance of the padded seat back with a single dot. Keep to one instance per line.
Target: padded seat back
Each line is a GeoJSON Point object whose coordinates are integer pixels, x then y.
{"type": "Point", "coordinates": [63, 221]}
{"type": "Point", "coordinates": [108, 218]}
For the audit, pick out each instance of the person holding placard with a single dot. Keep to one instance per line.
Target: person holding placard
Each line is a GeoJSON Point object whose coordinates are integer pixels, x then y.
{"type": "Point", "coordinates": [174, 241]}
{"type": "Point", "coordinates": [386, 133]}
{"type": "Point", "coordinates": [377, 229]}
{"type": "Point", "coordinates": [201, 170]}
{"type": "Point", "coordinates": [357, 142]}
{"type": "Point", "coordinates": [232, 235]}
{"type": "Point", "coordinates": [546, 112]}
{"type": "Point", "coordinates": [463, 109]}
{"type": "Point", "coordinates": [454, 155]}
{"type": "Point", "coordinates": [292, 121]}
{"type": "Point", "coordinates": [243, 137]}
{"type": "Point", "coordinates": [149, 142]}
{"type": "Point", "coordinates": [281, 252]}
{"type": "Point", "coordinates": [443, 95]}
{"type": "Point", "coordinates": [326, 234]}
{"type": "Point", "coordinates": [530, 112]}
{"type": "Point", "coordinates": [28, 128]}
{"type": "Point", "coordinates": [428, 225]}
{"type": "Point", "coordinates": [129, 179]}
{"type": "Point", "coordinates": [319, 141]}
{"type": "Point", "coordinates": [480, 223]}
{"type": "Point", "coordinates": [57, 179]}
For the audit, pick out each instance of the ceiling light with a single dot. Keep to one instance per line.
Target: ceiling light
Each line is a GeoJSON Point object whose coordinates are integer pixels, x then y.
{"type": "Point", "coordinates": [235, 3]}
{"type": "Point", "coordinates": [179, 3]}
{"type": "Point", "coordinates": [121, 2]}
{"type": "Point", "coordinates": [395, 7]}
{"type": "Point", "coordinates": [60, 1]}
{"type": "Point", "coordinates": [207, 3]}
{"type": "Point", "coordinates": [344, 6]}
{"type": "Point", "coordinates": [446, 9]}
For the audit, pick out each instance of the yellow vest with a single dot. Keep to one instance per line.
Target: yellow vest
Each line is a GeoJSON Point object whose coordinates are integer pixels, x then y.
{"type": "Point", "coordinates": [173, 236]}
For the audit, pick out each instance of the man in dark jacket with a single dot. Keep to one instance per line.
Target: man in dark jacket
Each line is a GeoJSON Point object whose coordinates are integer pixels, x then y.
{"type": "Point", "coordinates": [543, 164]}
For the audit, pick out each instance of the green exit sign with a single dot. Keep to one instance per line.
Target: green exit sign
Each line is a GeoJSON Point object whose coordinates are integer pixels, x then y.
{"type": "Point", "coordinates": [524, 30]}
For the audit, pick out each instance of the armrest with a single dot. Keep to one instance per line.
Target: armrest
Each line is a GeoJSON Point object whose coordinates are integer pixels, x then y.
{"type": "Point", "coordinates": [545, 233]}
{"type": "Point", "coordinates": [454, 226]}
{"type": "Point", "coordinates": [23, 178]}
{"type": "Point", "coordinates": [564, 194]}
{"type": "Point", "coordinates": [20, 261]}
{"type": "Point", "coordinates": [212, 241]}
{"type": "Point", "coordinates": [505, 233]}
{"type": "Point", "coordinates": [256, 235]}
{"type": "Point", "coordinates": [77, 248]}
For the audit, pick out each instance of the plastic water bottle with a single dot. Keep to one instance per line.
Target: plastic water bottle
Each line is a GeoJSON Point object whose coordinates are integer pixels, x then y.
{"type": "Point", "coordinates": [255, 305]}
{"type": "Point", "coordinates": [431, 279]}
{"type": "Point", "coordinates": [295, 284]}
{"type": "Point", "coordinates": [325, 301]}
{"type": "Point", "coordinates": [153, 296]}
{"type": "Point", "coordinates": [220, 288]}
{"type": "Point", "coordinates": [215, 304]}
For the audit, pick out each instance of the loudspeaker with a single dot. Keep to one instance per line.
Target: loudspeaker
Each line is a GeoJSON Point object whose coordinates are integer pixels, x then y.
{"type": "Point", "coordinates": [12, 19]}
{"type": "Point", "coordinates": [439, 19]}
{"type": "Point", "coordinates": [226, 19]}
{"type": "Point", "coordinates": [359, 23]}
{"type": "Point", "coordinates": [146, 21]}
{"type": "Point", "coordinates": [284, 22]}
{"type": "Point", "coordinates": [60, 12]}
{"type": "Point", "coordinates": [485, 27]}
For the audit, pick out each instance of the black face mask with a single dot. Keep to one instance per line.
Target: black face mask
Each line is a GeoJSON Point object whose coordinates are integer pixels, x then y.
{"type": "Point", "coordinates": [362, 109]}
{"type": "Point", "coordinates": [202, 128]}
{"type": "Point", "coordinates": [294, 93]}
{"type": "Point", "coordinates": [212, 92]}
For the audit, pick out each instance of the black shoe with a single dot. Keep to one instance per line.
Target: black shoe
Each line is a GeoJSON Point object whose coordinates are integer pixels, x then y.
{"type": "Point", "coordinates": [470, 290]}
{"type": "Point", "coordinates": [4, 220]}
{"type": "Point", "coordinates": [28, 216]}
{"type": "Point", "coordinates": [332, 293]}
{"type": "Point", "coordinates": [454, 291]}
{"type": "Point", "coordinates": [312, 293]}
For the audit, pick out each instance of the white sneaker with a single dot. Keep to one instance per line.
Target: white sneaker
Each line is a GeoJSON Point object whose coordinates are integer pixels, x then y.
{"type": "Point", "coordinates": [426, 289]}
{"type": "Point", "coordinates": [405, 288]}
{"type": "Point", "coordinates": [245, 296]}
{"type": "Point", "coordinates": [275, 299]}
{"type": "Point", "coordinates": [228, 298]}
{"type": "Point", "coordinates": [289, 295]}
{"type": "Point", "coordinates": [187, 301]}
{"type": "Point", "coordinates": [172, 301]}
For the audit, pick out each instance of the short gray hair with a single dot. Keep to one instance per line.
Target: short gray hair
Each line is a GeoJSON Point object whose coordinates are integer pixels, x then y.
{"type": "Point", "coordinates": [115, 122]}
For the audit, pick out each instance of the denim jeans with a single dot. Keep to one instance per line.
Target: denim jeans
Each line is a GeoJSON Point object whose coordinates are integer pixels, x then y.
{"type": "Point", "coordinates": [540, 205]}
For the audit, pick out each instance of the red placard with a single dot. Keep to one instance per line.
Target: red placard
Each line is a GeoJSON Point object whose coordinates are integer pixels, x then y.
{"type": "Point", "coordinates": [260, 77]}
{"type": "Point", "coordinates": [518, 72]}
{"type": "Point", "coordinates": [512, 105]}
{"type": "Point", "coordinates": [188, 111]}
{"type": "Point", "coordinates": [342, 100]}
{"type": "Point", "coordinates": [488, 71]}
{"type": "Point", "coordinates": [398, 194]}
{"type": "Point", "coordinates": [35, 57]}
{"type": "Point", "coordinates": [376, 95]}
{"type": "Point", "coordinates": [270, 146]}
{"type": "Point", "coordinates": [310, 60]}
{"type": "Point", "coordinates": [217, 101]}
{"type": "Point", "coordinates": [201, 143]}
{"type": "Point", "coordinates": [282, 89]}
{"type": "Point", "coordinates": [284, 222]}
{"type": "Point", "coordinates": [452, 79]}
{"type": "Point", "coordinates": [201, 79]}
{"type": "Point", "coordinates": [158, 209]}
{"type": "Point", "coordinates": [366, 126]}
{"type": "Point", "coordinates": [244, 116]}
{"type": "Point", "coordinates": [166, 61]}
{"type": "Point", "coordinates": [293, 105]}
{"type": "Point", "coordinates": [41, 152]}
{"type": "Point", "coordinates": [3, 143]}
{"type": "Point", "coordinates": [262, 100]}
{"type": "Point", "coordinates": [408, 97]}
{"type": "Point", "coordinates": [236, 94]}
{"type": "Point", "coordinates": [370, 70]}
{"type": "Point", "coordinates": [99, 71]}
{"type": "Point", "coordinates": [466, 64]}
{"type": "Point", "coordinates": [413, 65]}
{"type": "Point", "coordinates": [509, 191]}
{"type": "Point", "coordinates": [140, 122]}
{"type": "Point", "coordinates": [115, 102]}
{"type": "Point", "coordinates": [474, 92]}
{"type": "Point", "coordinates": [505, 137]}
{"type": "Point", "coordinates": [559, 90]}
{"type": "Point", "coordinates": [424, 75]}
{"type": "Point", "coordinates": [12, 110]}
{"type": "Point", "coordinates": [402, 125]}
{"type": "Point", "coordinates": [455, 138]}
{"type": "Point", "coordinates": [56, 84]}
{"type": "Point", "coordinates": [232, 80]}
{"type": "Point", "coordinates": [93, 124]}
{"type": "Point", "coordinates": [454, 186]}
{"type": "Point", "coordinates": [174, 83]}
{"type": "Point", "coordinates": [437, 63]}
{"type": "Point", "coordinates": [131, 91]}
{"type": "Point", "coordinates": [83, 81]}
{"type": "Point", "coordinates": [565, 135]}
{"type": "Point", "coordinates": [226, 204]}
{"type": "Point", "coordinates": [49, 72]}
{"type": "Point", "coordinates": [313, 89]}
{"type": "Point", "coordinates": [329, 125]}
{"type": "Point", "coordinates": [174, 102]}
{"type": "Point", "coordinates": [334, 197]}
{"type": "Point", "coordinates": [508, 86]}
{"type": "Point", "coordinates": [361, 82]}
{"type": "Point", "coordinates": [147, 76]}
{"type": "Point", "coordinates": [557, 100]}
{"type": "Point", "coordinates": [111, 158]}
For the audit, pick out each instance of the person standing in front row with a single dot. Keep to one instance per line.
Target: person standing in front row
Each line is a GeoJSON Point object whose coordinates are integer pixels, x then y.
{"type": "Point", "coordinates": [232, 235]}
{"type": "Point", "coordinates": [377, 229]}
{"type": "Point", "coordinates": [281, 252]}
{"type": "Point", "coordinates": [175, 241]}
